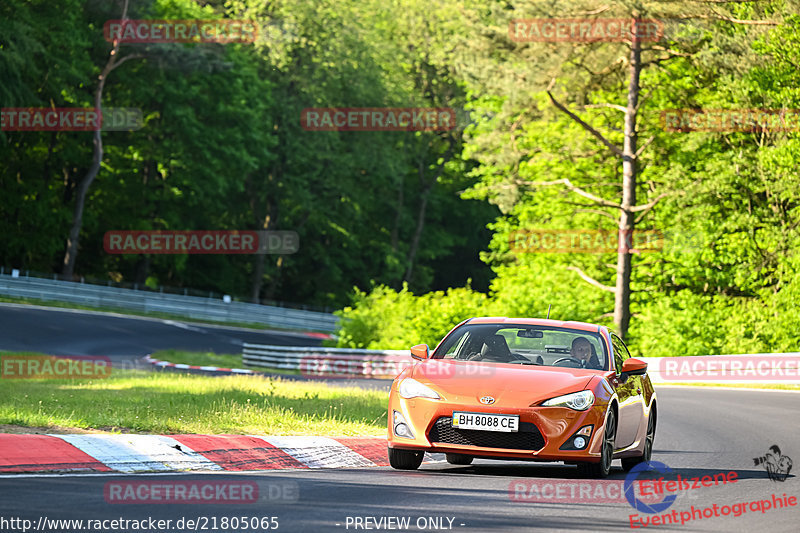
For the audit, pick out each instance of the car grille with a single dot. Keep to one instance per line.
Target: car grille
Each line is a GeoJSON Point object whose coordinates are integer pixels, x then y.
{"type": "Point", "coordinates": [527, 438]}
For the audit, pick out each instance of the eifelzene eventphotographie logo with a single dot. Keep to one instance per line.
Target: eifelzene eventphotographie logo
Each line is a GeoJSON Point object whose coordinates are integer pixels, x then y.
{"type": "Point", "coordinates": [775, 463]}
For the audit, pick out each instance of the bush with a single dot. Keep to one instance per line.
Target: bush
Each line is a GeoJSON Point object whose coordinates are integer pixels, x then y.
{"type": "Point", "coordinates": [387, 319]}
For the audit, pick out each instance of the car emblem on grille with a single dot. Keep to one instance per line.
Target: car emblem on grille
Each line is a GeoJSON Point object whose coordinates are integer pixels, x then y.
{"type": "Point", "coordinates": [486, 400]}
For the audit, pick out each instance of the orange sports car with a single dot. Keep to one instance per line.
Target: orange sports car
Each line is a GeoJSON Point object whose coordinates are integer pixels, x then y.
{"type": "Point", "coordinates": [524, 389]}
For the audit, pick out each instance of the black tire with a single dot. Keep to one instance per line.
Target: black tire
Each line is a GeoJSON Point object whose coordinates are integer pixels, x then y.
{"type": "Point", "coordinates": [603, 467]}
{"type": "Point", "coordinates": [458, 459]}
{"type": "Point", "coordinates": [629, 462]}
{"type": "Point", "coordinates": [405, 459]}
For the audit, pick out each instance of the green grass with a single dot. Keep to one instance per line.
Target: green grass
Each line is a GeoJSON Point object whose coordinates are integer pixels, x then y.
{"type": "Point", "coordinates": [166, 316]}
{"type": "Point", "coordinates": [768, 386]}
{"type": "Point", "coordinates": [159, 402]}
{"type": "Point", "coordinates": [214, 359]}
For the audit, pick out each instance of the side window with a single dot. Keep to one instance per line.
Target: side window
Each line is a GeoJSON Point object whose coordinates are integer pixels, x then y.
{"type": "Point", "coordinates": [621, 352]}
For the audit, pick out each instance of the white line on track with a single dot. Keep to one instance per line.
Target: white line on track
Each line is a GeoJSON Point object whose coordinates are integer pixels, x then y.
{"type": "Point", "coordinates": [140, 474]}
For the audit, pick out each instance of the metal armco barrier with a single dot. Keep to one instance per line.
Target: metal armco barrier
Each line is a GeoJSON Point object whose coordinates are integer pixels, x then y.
{"type": "Point", "coordinates": [346, 362]}
{"type": "Point", "coordinates": [151, 302]}
{"type": "Point", "coordinates": [328, 362]}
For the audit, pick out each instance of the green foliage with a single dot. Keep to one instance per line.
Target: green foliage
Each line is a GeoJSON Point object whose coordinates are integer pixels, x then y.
{"type": "Point", "coordinates": [727, 279]}
{"type": "Point", "coordinates": [389, 319]}
{"type": "Point", "coordinates": [223, 148]}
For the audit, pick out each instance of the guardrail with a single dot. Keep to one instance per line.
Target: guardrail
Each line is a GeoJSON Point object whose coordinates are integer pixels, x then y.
{"type": "Point", "coordinates": [174, 304]}
{"type": "Point", "coordinates": [313, 361]}
{"type": "Point", "coordinates": [345, 362]}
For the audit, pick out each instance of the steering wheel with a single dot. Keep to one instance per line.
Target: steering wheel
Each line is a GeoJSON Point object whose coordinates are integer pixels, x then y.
{"type": "Point", "coordinates": [572, 359]}
{"type": "Point", "coordinates": [510, 358]}
{"type": "Point", "coordinates": [525, 361]}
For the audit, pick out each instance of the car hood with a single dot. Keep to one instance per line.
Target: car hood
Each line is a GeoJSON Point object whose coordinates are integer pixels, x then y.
{"type": "Point", "coordinates": [510, 385]}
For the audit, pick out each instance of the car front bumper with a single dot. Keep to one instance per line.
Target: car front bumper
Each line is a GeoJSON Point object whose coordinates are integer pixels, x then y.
{"type": "Point", "coordinates": [542, 435]}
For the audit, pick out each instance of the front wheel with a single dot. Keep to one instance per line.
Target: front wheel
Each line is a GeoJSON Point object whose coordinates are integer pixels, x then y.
{"type": "Point", "coordinates": [629, 462]}
{"type": "Point", "coordinates": [602, 468]}
{"type": "Point", "coordinates": [405, 459]}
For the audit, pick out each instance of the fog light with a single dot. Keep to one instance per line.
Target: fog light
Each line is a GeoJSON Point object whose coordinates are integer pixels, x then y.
{"type": "Point", "coordinates": [578, 440]}
{"type": "Point", "coordinates": [401, 428]}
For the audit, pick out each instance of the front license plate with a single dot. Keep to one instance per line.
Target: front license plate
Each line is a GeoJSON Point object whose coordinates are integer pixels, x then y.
{"type": "Point", "coordinates": [485, 421]}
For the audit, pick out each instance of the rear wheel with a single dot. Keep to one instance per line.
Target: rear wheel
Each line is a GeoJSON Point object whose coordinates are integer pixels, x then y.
{"type": "Point", "coordinates": [602, 468]}
{"type": "Point", "coordinates": [629, 462]}
{"type": "Point", "coordinates": [405, 459]}
{"type": "Point", "coordinates": [458, 459]}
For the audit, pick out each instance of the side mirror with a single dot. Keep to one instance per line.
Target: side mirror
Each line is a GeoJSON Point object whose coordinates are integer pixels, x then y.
{"type": "Point", "coordinates": [420, 351]}
{"type": "Point", "coordinates": [634, 367]}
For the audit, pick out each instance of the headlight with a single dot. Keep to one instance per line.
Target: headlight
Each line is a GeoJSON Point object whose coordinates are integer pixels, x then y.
{"type": "Point", "coordinates": [411, 388]}
{"type": "Point", "coordinates": [580, 401]}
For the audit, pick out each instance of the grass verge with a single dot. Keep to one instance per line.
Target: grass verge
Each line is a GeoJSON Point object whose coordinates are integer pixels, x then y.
{"type": "Point", "coordinates": [156, 402]}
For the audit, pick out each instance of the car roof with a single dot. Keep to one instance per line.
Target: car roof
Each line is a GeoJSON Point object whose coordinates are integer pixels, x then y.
{"type": "Point", "coordinates": [583, 326]}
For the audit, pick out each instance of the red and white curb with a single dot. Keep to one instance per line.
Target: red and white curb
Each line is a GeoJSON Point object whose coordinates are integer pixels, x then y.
{"type": "Point", "coordinates": [181, 366]}
{"type": "Point", "coordinates": [185, 453]}
{"type": "Point", "coordinates": [321, 336]}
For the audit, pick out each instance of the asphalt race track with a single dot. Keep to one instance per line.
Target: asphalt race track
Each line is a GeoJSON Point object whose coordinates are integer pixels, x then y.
{"type": "Point", "coordinates": [700, 432]}
{"type": "Point", "coordinates": [55, 331]}
{"type": "Point", "coordinates": [127, 339]}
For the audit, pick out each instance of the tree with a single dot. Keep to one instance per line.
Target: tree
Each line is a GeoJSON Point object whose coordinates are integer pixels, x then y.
{"type": "Point", "coordinates": [114, 61]}
{"type": "Point", "coordinates": [575, 65]}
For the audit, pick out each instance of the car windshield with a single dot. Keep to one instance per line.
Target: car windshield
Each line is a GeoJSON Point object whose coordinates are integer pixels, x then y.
{"type": "Point", "coordinates": [525, 345]}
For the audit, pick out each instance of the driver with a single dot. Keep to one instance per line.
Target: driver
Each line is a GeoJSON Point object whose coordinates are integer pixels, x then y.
{"type": "Point", "coordinates": [582, 351]}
